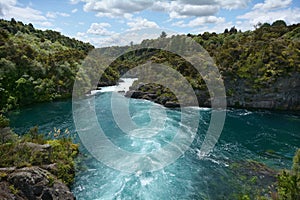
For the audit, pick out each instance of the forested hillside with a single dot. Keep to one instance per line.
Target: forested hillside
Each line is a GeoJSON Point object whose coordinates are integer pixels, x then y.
{"type": "Point", "coordinates": [35, 65]}
{"type": "Point", "coordinates": [260, 68]}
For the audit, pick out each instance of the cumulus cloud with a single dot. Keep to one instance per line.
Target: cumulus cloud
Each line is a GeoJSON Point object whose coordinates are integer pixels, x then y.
{"type": "Point", "coordinates": [200, 21]}
{"type": "Point", "coordinates": [272, 4]}
{"type": "Point", "coordinates": [175, 9]}
{"type": "Point", "coordinates": [26, 14]}
{"type": "Point", "coordinates": [10, 9]}
{"type": "Point", "coordinates": [74, 10]}
{"type": "Point", "coordinates": [99, 29]}
{"type": "Point", "coordinates": [5, 6]}
{"type": "Point", "coordinates": [116, 8]}
{"type": "Point", "coordinates": [56, 14]}
{"type": "Point", "coordinates": [141, 23]}
{"type": "Point", "coordinates": [290, 15]}
{"type": "Point", "coordinates": [233, 4]}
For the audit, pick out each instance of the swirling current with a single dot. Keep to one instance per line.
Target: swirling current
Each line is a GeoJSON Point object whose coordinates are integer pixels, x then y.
{"type": "Point", "coordinates": [266, 137]}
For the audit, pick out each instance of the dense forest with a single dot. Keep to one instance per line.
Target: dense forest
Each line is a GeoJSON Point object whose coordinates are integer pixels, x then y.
{"type": "Point", "coordinates": [35, 65]}
{"type": "Point", "coordinates": [260, 68]}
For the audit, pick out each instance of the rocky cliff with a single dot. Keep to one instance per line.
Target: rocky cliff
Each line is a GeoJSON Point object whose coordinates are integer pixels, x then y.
{"type": "Point", "coordinates": [32, 183]}
{"type": "Point", "coordinates": [283, 94]}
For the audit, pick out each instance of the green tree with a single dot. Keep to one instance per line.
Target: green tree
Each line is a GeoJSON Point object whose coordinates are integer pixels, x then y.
{"type": "Point", "coordinates": [163, 34]}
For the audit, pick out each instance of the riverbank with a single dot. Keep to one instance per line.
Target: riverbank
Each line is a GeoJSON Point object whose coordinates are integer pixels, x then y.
{"type": "Point", "coordinates": [261, 136]}
{"type": "Point", "coordinates": [33, 167]}
{"type": "Point", "coordinates": [283, 95]}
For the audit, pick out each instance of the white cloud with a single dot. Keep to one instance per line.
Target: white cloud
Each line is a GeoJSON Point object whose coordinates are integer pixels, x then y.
{"type": "Point", "coordinates": [232, 4]}
{"type": "Point", "coordinates": [26, 14]}
{"type": "Point", "coordinates": [116, 8]}
{"type": "Point", "coordinates": [290, 16]}
{"type": "Point", "coordinates": [5, 5]}
{"type": "Point", "coordinates": [122, 39]}
{"type": "Point", "coordinates": [74, 1]}
{"type": "Point", "coordinates": [272, 4]}
{"type": "Point", "coordinates": [80, 34]}
{"type": "Point", "coordinates": [219, 28]}
{"type": "Point", "coordinates": [99, 29]}
{"type": "Point", "coordinates": [178, 9]}
{"type": "Point", "coordinates": [64, 14]}
{"type": "Point", "coordinates": [45, 24]}
{"type": "Point", "coordinates": [141, 23]}
{"type": "Point", "coordinates": [74, 10]}
{"type": "Point", "coordinates": [175, 9]}
{"type": "Point", "coordinates": [11, 9]}
{"type": "Point", "coordinates": [200, 21]}
{"type": "Point", "coordinates": [196, 8]}
{"type": "Point", "coordinates": [56, 14]}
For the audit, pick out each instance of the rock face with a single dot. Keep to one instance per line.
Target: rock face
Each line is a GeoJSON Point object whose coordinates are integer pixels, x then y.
{"type": "Point", "coordinates": [283, 94]}
{"type": "Point", "coordinates": [32, 183]}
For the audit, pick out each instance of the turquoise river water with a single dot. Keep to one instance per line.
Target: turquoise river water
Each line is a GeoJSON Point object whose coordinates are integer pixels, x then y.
{"type": "Point", "coordinates": [264, 136]}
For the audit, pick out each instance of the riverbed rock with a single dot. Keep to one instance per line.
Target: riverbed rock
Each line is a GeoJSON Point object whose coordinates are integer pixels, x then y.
{"type": "Point", "coordinates": [32, 183]}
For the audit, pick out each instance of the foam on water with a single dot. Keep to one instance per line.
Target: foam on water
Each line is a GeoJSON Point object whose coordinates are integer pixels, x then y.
{"type": "Point", "coordinates": [246, 136]}
{"type": "Point", "coordinates": [123, 86]}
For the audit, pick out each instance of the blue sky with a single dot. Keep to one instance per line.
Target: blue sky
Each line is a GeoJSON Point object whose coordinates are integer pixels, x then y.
{"type": "Point", "coordinates": [118, 22]}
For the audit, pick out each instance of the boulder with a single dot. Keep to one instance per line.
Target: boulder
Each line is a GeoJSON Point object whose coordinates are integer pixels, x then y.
{"type": "Point", "coordinates": [33, 183]}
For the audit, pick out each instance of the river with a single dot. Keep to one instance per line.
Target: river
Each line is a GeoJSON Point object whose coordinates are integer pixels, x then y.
{"type": "Point", "coordinates": [264, 136]}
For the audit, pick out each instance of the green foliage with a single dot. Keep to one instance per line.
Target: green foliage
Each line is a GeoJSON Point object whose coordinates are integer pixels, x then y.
{"type": "Point", "coordinates": [289, 182]}
{"type": "Point", "coordinates": [163, 35]}
{"type": "Point", "coordinates": [63, 152]}
{"type": "Point", "coordinates": [4, 122]}
{"type": "Point", "coordinates": [32, 150]}
{"type": "Point", "coordinates": [6, 135]}
{"type": "Point", "coordinates": [296, 163]}
{"type": "Point", "coordinates": [35, 65]}
{"type": "Point", "coordinates": [13, 189]}
{"type": "Point", "coordinates": [38, 66]}
{"type": "Point", "coordinates": [3, 176]}
{"type": "Point", "coordinates": [256, 58]}
{"type": "Point", "coordinates": [287, 186]}
{"type": "Point", "coordinates": [249, 62]}
{"type": "Point", "coordinates": [279, 23]}
{"type": "Point", "coordinates": [51, 180]}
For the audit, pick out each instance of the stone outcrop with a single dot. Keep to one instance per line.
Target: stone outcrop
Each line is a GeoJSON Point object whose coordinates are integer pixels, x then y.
{"type": "Point", "coordinates": [283, 94]}
{"type": "Point", "coordinates": [32, 183]}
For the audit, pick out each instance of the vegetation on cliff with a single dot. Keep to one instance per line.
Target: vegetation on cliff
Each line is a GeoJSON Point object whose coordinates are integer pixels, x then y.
{"type": "Point", "coordinates": [260, 68]}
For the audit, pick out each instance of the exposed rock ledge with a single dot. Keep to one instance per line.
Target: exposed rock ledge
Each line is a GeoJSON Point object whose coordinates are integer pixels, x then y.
{"type": "Point", "coordinates": [31, 183]}
{"type": "Point", "coordinates": [283, 94]}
